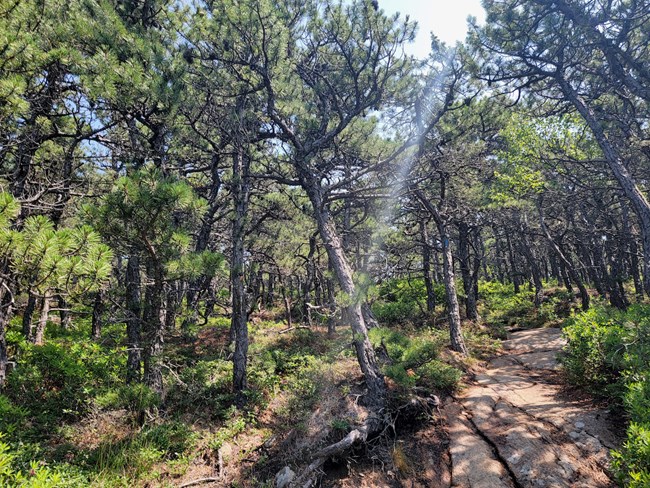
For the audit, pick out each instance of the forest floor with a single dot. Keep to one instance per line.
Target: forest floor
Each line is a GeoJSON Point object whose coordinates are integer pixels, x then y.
{"type": "Point", "coordinates": [516, 424]}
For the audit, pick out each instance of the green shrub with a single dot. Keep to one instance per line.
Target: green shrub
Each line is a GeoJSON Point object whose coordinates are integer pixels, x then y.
{"type": "Point", "coordinates": [171, 438]}
{"type": "Point", "coordinates": [502, 306]}
{"type": "Point", "coordinates": [608, 351]}
{"type": "Point", "coordinates": [11, 415]}
{"type": "Point", "coordinates": [414, 359]}
{"type": "Point", "coordinates": [607, 348]}
{"type": "Point", "coordinates": [39, 476]}
{"type": "Point", "coordinates": [631, 464]}
{"type": "Point", "coordinates": [439, 376]}
{"type": "Point", "coordinates": [401, 300]}
{"type": "Point", "coordinates": [51, 382]}
{"type": "Point", "coordinates": [395, 312]}
{"type": "Point", "coordinates": [136, 398]}
{"type": "Point", "coordinates": [204, 387]}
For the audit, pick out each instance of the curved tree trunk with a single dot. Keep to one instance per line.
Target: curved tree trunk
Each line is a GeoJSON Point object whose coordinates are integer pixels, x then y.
{"type": "Point", "coordinates": [619, 170]}
{"type": "Point", "coordinates": [376, 397]}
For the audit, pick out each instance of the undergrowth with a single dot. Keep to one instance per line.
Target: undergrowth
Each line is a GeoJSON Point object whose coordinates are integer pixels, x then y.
{"type": "Point", "coordinates": [608, 352]}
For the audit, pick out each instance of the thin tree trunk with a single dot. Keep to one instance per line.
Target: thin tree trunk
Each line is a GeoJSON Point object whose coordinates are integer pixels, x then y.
{"type": "Point", "coordinates": [513, 264]}
{"type": "Point", "coordinates": [630, 236]}
{"type": "Point", "coordinates": [133, 321]}
{"type": "Point", "coordinates": [64, 313]}
{"type": "Point", "coordinates": [568, 265]}
{"type": "Point", "coordinates": [153, 325]}
{"type": "Point", "coordinates": [455, 331]}
{"type": "Point", "coordinates": [464, 261]}
{"type": "Point", "coordinates": [28, 314]}
{"type": "Point", "coordinates": [39, 332]}
{"type": "Point", "coordinates": [529, 253]}
{"type": "Point", "coordinates": [6, 312]}
{"type": "Point", "coordinates": [98, 310]}
{"type": "Point", "coordinates": [426, 267]}
{"type": "Point", "coordinates": [171, 306]}
{"type": "Point", "coordinates": [239, 325]}
{"type": "Point", "coordinates": [457, 342]}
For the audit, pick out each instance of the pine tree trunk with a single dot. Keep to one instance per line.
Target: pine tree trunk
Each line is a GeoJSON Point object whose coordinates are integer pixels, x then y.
{"type": "Point", "coordinates": [239, 325]}
{"type": "Point", "coordinates": [170, 307]}
{"type": "Point", "coordinates": [98, 310]}
{"type": "Point", "coordinates": [568, 265]}
{"type": "Point", "coordinates": [448, 278]}
{"type": "Point", "coordinates": [513, 264]}
{"type": "Point", "coordinates": [133, 321]}
{"type": "Point", "coordinates": [6, 312]}
{"type": "Point", "coordinates": [64, 313]}
{"type": "Point", "coordinates": [426, 267]}
{"type": "Point", "coordinates": [464, 261]}
{"type": "Point", "coordinates": [153, 325]}
{"type": "Point", "coordinates": [620, 172]}
{"type": "Point", "coordinates": [28, 313]}
{"type": "Point", "coordinates": [456, 337]}
{"type": "Point", "coordinates": [376, 398]}
{"type": "Point", "coordinates": [39, 332]}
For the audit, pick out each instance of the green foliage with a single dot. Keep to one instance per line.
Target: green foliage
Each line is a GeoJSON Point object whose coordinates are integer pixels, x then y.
{"type": "Point", "coordinates": [401, 300]}
{"type": "Point", "coordinates": [414, 360]}
{"type": "Point", "coordinates": [153, 215]}
{"type": "Point", "coordinates": [502, 306]}
{"type": "Point", "coordinates": [203, 387]}
{"type": "Point", "coordinates": [39, 476]}
{"type": "Point", "coordinates": [229, 431]}
{"type": "Point", "coordinates": [11, 415]}
{"type": "Point", "coordinates": [632, 462]}
{"type": "Point", "coordinates": [608, 351]}
{"type": "Point", "coordinates": [71, 261]}
{"type": "Point", "coordinates": [136, 398]}
{"type": "Point", "coordinates": [57, 381]}
{"type": "Point", "coordinates": [134, 458]}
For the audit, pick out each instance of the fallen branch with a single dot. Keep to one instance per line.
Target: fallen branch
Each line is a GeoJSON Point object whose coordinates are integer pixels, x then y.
{"type": "Point", "coordinates": [284, 331]}
{"type": "Point", "coordinates": [198, 482]}
{"type": "Point", "coordinates": [354, 437]}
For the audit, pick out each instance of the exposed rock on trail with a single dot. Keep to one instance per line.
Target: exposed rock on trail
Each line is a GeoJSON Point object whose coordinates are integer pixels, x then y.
{"type": "Point", "coordinates": [515, 427]}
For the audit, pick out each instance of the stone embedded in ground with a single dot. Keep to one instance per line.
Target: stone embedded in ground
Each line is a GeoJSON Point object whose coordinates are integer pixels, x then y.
{"type": "Point", "coordinates": [474, 463]}
{"type": "Point", "coordinates": [531, 428]}
{"type": "Point", "coordinates": [284, 477]}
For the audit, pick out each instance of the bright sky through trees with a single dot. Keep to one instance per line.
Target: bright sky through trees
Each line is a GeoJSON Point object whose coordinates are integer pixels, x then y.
{"type": "Point", "coordinates": [447, 20]}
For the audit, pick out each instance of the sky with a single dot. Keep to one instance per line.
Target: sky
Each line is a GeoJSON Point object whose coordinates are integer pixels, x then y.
{"type": "Point", "coordinates": [447, 19]}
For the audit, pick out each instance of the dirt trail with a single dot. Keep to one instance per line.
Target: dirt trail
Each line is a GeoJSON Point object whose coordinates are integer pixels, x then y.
{"type": "Point", "coordinates": [516, 427]}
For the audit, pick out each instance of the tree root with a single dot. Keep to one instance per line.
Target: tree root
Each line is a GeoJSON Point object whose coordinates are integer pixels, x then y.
{"type": "Point", "coordinates": [374, 426]}
{"type": "Point", "coordinates": [357, 436]}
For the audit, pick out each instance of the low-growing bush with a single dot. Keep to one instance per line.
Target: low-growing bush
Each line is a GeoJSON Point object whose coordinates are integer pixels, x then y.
{"type": "Point", "coordinates": [414, 361]}
{"type": "Point", "coordinates": [136, 398]}
{"type": "Point", "coordinates": [608, 352]}
{"type": "Point", "coordinates": [56, 381]}
{"type": "Point", "coordinates": [204, 387]}
{"type": "Point", "coordinates": [401, 300]}
{"type": "Point", "coordinates": [39, 476]}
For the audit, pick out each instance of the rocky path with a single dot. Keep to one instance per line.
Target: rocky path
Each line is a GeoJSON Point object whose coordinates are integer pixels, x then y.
{"type": "Point", "coordinates": [516, 427]}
